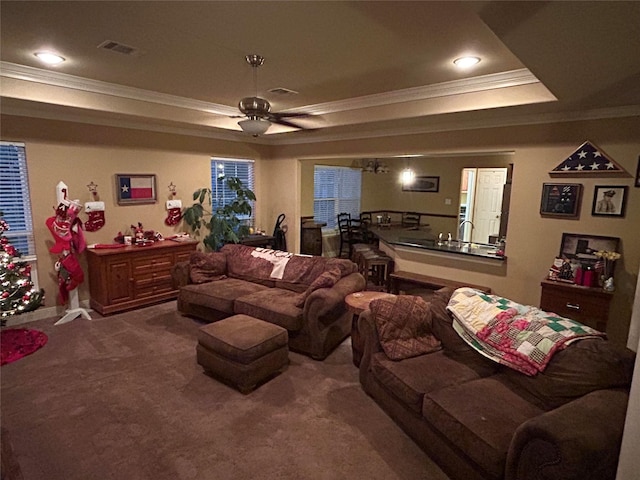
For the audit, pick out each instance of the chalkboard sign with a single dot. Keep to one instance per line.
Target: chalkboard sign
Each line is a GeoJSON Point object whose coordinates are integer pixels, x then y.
{"type": "Point", "coordinates": [561, 200]}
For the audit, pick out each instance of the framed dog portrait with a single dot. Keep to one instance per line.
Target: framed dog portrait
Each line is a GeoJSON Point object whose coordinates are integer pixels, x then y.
{"type": "Point", "coordinates": [609, 200]}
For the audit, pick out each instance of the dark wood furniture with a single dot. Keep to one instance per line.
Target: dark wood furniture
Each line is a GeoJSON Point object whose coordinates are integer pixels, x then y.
{"type": "Point", "coordinates": [357, 303]}
{"type": "Point", "coordinates": [133, 276]}
{"type": "Point", "coordinates": [257, 240]}
{"type": "Point", "coordinates": [311, 236]}
{"type": "Point", "coordinates": [586, 305]}
{"type": "Point", "coordinates": [400, 280]}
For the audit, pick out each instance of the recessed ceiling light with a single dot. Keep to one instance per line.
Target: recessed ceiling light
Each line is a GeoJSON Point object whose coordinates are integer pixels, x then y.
{"type": "Point", "coordinates": [466, 62]}
{"type": "Point", "coordinates": [49, 58]}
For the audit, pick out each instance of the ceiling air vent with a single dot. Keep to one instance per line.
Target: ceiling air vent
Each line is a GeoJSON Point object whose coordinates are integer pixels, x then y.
{"type": "Point", "coordinates": [119, 48]}
{"type": "Point", "coordinates": [283, 91]}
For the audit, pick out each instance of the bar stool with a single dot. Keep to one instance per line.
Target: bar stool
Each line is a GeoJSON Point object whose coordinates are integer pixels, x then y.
{"type": "Point", "coordinates": [376, 267]}
{"type": "Point", "coordinates": [357, 250]}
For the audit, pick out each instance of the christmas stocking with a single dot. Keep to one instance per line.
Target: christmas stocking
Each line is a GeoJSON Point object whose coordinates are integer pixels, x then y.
{"type": "Point", "coordinates": [70, 275]}
{"type": "Point", "coordinates": [174, 214]}
{"type": "Point", "coordinates": [96, 216]}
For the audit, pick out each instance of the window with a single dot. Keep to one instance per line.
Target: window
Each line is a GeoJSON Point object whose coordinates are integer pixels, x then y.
{"type": "Point", "coordinates": [15, 202]}
{"type": "Point", "coordinates": [223, 168]}
{"type": "Point", "coordinates": [335, 190]}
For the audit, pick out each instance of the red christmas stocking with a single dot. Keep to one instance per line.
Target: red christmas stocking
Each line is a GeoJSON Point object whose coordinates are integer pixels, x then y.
{"type": "Point", "coordinates": [70, 275]}
{"type": "Point", "coordinates": [96, 220]}
{"type": "Point", "coordinates": [173, 217]}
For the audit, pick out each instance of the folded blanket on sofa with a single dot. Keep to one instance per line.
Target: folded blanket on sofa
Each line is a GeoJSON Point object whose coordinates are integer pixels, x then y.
{"type": "Point", "coordinates": [519, 336]}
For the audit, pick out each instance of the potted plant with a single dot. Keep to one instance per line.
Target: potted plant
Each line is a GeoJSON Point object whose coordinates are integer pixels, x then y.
{"type": "Point", "coordinates": [222, 223]}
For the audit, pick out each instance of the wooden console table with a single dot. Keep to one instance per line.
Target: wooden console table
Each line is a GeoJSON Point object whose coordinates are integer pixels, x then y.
{"type": "Point", "coordinates": [400, 279]}
{"type": "Point", "coordinates": [583, 304]}
{"type": "Point", "coordinates": [133, 276]}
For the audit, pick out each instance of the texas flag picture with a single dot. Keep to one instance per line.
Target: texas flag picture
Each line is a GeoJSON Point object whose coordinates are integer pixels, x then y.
{"type": "Point", "coordinates": [136, 188]}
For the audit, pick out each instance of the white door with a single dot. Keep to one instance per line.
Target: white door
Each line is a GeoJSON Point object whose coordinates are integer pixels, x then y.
{"type": "Point", "coordinates": [488, 203]}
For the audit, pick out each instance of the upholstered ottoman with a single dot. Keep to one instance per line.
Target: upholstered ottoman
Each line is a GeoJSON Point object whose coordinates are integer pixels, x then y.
{"type": "Point", "coordinates": [242, 350]}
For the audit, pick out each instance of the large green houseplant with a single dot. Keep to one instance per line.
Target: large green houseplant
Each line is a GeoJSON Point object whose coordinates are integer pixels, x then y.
{"type": "Point", "coordinates": [222, 223]}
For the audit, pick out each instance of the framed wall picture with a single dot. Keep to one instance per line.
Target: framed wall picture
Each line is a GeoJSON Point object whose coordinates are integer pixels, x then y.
{"type": "Point", "coordinates": [133, 189]}
{"type": "Point", "coordinates": [582, 248]}
{"type": "Point", "coordinates": [423, 184]}
{"type": "Point", "coordinates": [609, 200]}
{"type": "Point", "coordinates": [561, 200]}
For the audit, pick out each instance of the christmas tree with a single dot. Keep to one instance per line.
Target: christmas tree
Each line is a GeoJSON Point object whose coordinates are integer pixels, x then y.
{"type": "Point", "coordinates": [18, 293]}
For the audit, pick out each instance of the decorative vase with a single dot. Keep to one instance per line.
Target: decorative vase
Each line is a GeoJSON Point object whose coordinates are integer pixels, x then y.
{"type": "Point", "coordinates": [608, 285]}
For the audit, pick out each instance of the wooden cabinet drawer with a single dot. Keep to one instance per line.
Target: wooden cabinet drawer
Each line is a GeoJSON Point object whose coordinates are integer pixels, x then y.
{"type": "Point", "coordinates": [585, 305]}
{"type": "Point", "coordinates": [155, 263]}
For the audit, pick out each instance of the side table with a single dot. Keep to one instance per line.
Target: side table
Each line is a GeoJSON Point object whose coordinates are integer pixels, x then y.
{"type": "Point", "coordinates": [357, 303]}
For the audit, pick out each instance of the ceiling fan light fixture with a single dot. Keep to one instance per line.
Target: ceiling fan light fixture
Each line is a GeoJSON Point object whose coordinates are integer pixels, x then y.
{"type": "Point", "coordinates": [254, 126]}
{"type": "Point", "coordinates": [466, 62]}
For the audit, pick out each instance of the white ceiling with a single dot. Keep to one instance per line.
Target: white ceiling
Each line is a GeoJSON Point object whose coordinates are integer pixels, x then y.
{"type": "Point", "coordinates": [361, 68]}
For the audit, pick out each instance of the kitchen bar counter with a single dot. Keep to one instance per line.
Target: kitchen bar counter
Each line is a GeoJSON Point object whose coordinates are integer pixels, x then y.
{"type": "Point", "coordinates": [423, 240]}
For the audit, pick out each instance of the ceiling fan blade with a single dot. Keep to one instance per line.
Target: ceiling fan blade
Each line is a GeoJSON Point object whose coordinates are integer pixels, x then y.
{"type": "Point", "coordinates": [289, 115]}
{"type": "Point", "coordinates": [286, 123]}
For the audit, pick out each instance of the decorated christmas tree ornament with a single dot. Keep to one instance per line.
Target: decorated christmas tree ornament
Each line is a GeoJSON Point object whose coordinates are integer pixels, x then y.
{"type": "Point", "coordinates": [96, 220]}
{"type": "Point", "coordinates": [18, 293]}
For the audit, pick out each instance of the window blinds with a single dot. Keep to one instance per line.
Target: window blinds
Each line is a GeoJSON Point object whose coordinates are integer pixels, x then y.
{"type": "Point", "coordinates": [223, 168]}
{"type": "Point", "coordinates": [14, 197]}
{"type": "Point", "coordinates": [335, 190]}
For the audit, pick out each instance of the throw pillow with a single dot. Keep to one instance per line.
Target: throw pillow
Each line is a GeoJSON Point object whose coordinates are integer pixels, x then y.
{"type": "Point", "coordinates": [207, 267]}
{"type": "Point", "coordinates": [327, 280]}
{"type": "Point", "coordinates": [404, 326]}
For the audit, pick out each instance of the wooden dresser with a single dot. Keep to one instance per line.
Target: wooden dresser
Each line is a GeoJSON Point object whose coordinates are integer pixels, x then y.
{"type": "Point", "coordinates": [584, 304]}
{"type": "Point", "coordinates": [132, 276]}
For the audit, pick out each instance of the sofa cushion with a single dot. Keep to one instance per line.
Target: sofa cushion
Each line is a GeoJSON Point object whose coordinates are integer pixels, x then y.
{"type": "Point", "coordinates": [411, 378]}
{"type": "Point", "coordinates": [245, 266]}
{"type": "Point", "coordinates": [220, 294]}
{"type": "Point", "coordinates": [206, 267]}
{"type": "Point", "coordinates": [480, 418]}
{"type": "Point", "coordinates": [273, 305]}
{"type": "Point", "coordinates": [303, 270]}
{"type": "Point", "coordinates": [327, 280]}
{"type": "Point", "coordinates": [403, 323]}
{"type": "Point", "coordinates": [580, 368]}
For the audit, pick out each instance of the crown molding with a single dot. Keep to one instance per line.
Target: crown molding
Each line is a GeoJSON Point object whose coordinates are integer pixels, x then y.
{"type": "Point", "coordinates": [462, 125]}
{"type": "Point", "coordinates": [456, 87]}
{"type": "Point", "coordinates": [57, 79]}
{"type": "Point", "coordinates": [493, 81]}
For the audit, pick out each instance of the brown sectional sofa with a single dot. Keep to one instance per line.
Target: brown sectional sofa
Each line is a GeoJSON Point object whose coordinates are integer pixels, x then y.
{"type": "Point", "coordinates": [304, 294]}
{"type": "Point", "coordinates": [481, 420]}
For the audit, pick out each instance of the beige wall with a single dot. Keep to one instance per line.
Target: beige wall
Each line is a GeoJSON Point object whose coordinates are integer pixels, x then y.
{"type": "Point", "coordinates": [79, 154]}
{"type": "Point", "coordinates": [532, 241]}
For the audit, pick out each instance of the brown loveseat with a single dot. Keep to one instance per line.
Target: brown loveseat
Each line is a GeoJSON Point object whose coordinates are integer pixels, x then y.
{"type": "Point", "coordinates": [304, 294]}
{"type": "Point", "coordinates": [481, 420]}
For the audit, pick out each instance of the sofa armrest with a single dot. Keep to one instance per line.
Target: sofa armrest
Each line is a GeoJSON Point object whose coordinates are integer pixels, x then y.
{"type": "Point", "coordinates": [370, 343]}
{"type": "Point", "coordinates": [322, 302]}
{"type": "Point", "coordinates": [180, 274]}
{"type": "Point", "coordinates": [579, 440]}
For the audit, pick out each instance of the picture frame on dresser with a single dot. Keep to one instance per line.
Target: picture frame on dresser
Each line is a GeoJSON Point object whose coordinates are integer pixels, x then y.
{"type": "Point", "coordinates": [135, 189]}
{"type": "Point", "coordinates": [581, 248]}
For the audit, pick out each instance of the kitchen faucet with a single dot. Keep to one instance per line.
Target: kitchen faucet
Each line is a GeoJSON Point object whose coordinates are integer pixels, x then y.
{"type": "Point", "coordinates": [461, 229]}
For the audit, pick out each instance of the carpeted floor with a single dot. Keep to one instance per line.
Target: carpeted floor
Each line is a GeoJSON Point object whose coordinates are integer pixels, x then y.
{"type": "Point", "coordinates": [122, 397]}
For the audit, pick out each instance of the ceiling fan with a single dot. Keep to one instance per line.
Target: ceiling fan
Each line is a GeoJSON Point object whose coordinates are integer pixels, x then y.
{"type": "Point", "coordinates": [258, 110]}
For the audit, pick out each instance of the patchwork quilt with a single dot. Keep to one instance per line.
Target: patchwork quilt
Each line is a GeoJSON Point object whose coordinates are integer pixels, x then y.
{"type": "Point", "coordinates": [521, 337]}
